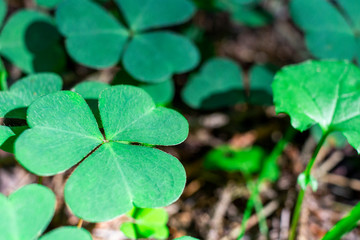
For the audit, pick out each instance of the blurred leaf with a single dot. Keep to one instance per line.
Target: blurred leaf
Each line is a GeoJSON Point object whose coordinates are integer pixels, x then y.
{"type": "Point", "coordinates": [3, 10]}
{"type": "Point", "coordinates": [148, 223]}
{"type": "Point", "coordinates": [186, 238]}
{"type": "Point", "coordinates": [30, 41]}
{"type": "Point", "coordinates": [5, 134]}
{"type": "Point", "coordinates": [68, 233]}
{"type": "Point", "coordinates": [96, 39]}
{"type": "Point", "coordinates": [162, 93]}
{"type": "Point", "coordinates": [330, 32]}
{"type": "Point", "coordinates": [26, 213]}
{"type": "Point", "coordinates": [3, 77]}
{"type": "Point", "coordinates": [321, 92]}
{"type": "Point", "coordinates": [47, 3]}
{"type": "Point", "coordinates": [247, 161]}
{"type": "Point", "coordinates": [261, 78]}
{"type": "Point", "coordinates": [345, 225]}
{"type": "Point", "coordinates": [218, 84]}
{"type": "Point", "coordinates": [13, 103]}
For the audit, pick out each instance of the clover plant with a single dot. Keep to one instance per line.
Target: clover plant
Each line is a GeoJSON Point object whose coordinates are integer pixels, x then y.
{"type": "Point", "coordinates": [63, 132]}
{"type": "Point", "coordinates": [26, 213]}
{"type": "Point", "coordinates": [147, 223]}
{"type": "Point", "coordinates": [96, 39]}
{"type": "Point", "coordinates": [30, 40]}
{"type": "Point", "coordinates": [220, 84]}
{"type": "Point", "coordinates": [14, 103]}
{"type": "Point", "coordinates": [326, 93]}
{"type": "Point", "coordinates": [331, 27]}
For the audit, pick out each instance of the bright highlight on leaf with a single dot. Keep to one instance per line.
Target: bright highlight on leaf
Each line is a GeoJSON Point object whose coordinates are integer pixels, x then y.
{"type": "Point", "coordinates": [63, 131]}
{"type": "Point", "coordinates": [96, 39]}
{"type": "Point", "coordinates": [326, 93]}
{"type": "Point", "coordinates": [331, 30]}
{"type": "Point", "coordinates": [147, 223]}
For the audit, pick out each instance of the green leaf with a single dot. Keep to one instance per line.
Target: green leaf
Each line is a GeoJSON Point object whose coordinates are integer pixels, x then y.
{"type": "Point", "coordinates": [96, 39]}
{"type": "Point", "coordinates": [3, 77]}
{"type": "Point", "coordinates": [5, 134]}
{"type": "Point", "coordinates": [63, 131]}
{"type": "Point", "coordinates": [68, 233]}
{"type": "Point", "coordinates": [147, 14]}
{"type": "Point", "coordinates": [141, 121]}
{"type": "Point", "coordinates": [13, 103]}
{"type": "Point", "coordinates": [218, 84]}
{"type": "Point", "coordinates": [135, 175]}
{"type": "Point", "coordinates": [30, 41]}
{"type": "Point", "coordinates": [66, 142]}
{"type": "Point", "coordinates": [3, 10]}
{"type": "Point", "coordinates": [226, 158]}
{"type": "Point", "coordinates": [321, 92]}
{"type": "Point", "coordinates": [26, 213]}
{"type": "Point", "coordinates": [148, 223]}
{"type": "Point", "coordinates": [328, 33]}
{"type": "Point", "coordinates": [155, 57]}
{"type": "Point", "coordinates": [47, 3]}
{"type": "Point", "coordinates": [261, 78]}
{"type": "Point", "coordinates": [345, 225]}
{"type": "Point", "coordinates": [162, 93]}
{"type": "Point", "coordinates": [93, 37]}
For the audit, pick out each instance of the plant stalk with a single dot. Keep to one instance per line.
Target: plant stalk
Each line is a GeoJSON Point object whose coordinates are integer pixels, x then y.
{"type": "Point", "coordinates": [80, 223]}
{"type": "Point", "coordinates": [307, 172]}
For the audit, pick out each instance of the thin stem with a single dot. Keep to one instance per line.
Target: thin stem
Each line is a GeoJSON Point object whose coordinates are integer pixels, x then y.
{"type": "Point", "coordinates": [40, 180]}
{"type": "Point", "coordinates": [307, 172]}
{"type": "Point", "coordinates": [260, 214]}
{"type": "Point", "coordinates": [246, 216]}
{"type": "Point", "coordinates": [3, 77]}
{"type": "Point", "coordinates": [80, 223]}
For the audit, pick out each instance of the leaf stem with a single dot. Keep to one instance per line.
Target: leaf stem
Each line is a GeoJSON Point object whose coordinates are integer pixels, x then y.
{"type": "Point", "coordinates": [40, 180]}
{"type": "Point", "coordinates": [307, 172]}
{"type": "Point", "coordinates": [3, 77]}
{"type": "Point", "coordinates": [80, 223]}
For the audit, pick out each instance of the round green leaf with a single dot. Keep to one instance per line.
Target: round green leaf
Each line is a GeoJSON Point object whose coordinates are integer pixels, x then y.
{"type": "Point", "coordinates": [30, 40]}
{"type": "Point", "coordinates": [3, 10]}
{"type": "Point", "coordinates": [62, 132]}
{"type": "Point", "coordinates": [68, 233]}
{"type": "Point", "coordinates": [321, 92]}
{"type": "Point", "coordinates": [26, 213]}
{"type": "Point", "coordinates": [146, 14]}
{"type": "Point", "coordinates": [93, 37]}
{"type": "Point", "coordinates": [10, 138]}
{"type": "Point", "coordinates": [328, 33]}
{"type": "Point", "coordinates": [147, 223]}
{"type": "Point", "coordinates": [186, 238]}
{"type": "Point", "coordinates": [155, 57]}
{"type": "Point", "coordinates": [48, 3]}
{"type": "Point", "coordinates": [13, 103]}
{"type": "Point", "coordinates": [218, 84]}
{"type": "Point", "coordinates": [229, 159]}
{"type": "Point", "coordinates": [133, 175]}
{"type": "Point", "coordinates": [129, 114]}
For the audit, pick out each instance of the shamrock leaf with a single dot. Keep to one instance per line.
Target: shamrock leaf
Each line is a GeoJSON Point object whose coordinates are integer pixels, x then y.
{"type": "Point", "coordinates": [326, 93]}
{"type": "Point", "coordinates": [330, 29]}
{"type": "Point", "coordinates": [30, 41]}
{"type": "Point", "coordinates": [148, 223]}
{"type": "Point", "coordinates": [226, 158]}
{"type": "Point", "coordinates": [114, 175]}
{"type": "Point", "coordinates": [13, 103]}
{"type": "Point", "coordinates": [68, 233]}
{"type": "Point", "coordinates": [3, 10]}
{"type": "Point", "coordinates": [149, 56]}
{"type": "Point", "coordinates": [5, 134]}
{"type": "Point", "coordinates": [47, 3]}
{"type": "Point", "coordinates": [220, 84]}
{"type": "Point", "coordinates": [26, 213]}
{"type": "Point", "coordinates": [218, 78]}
